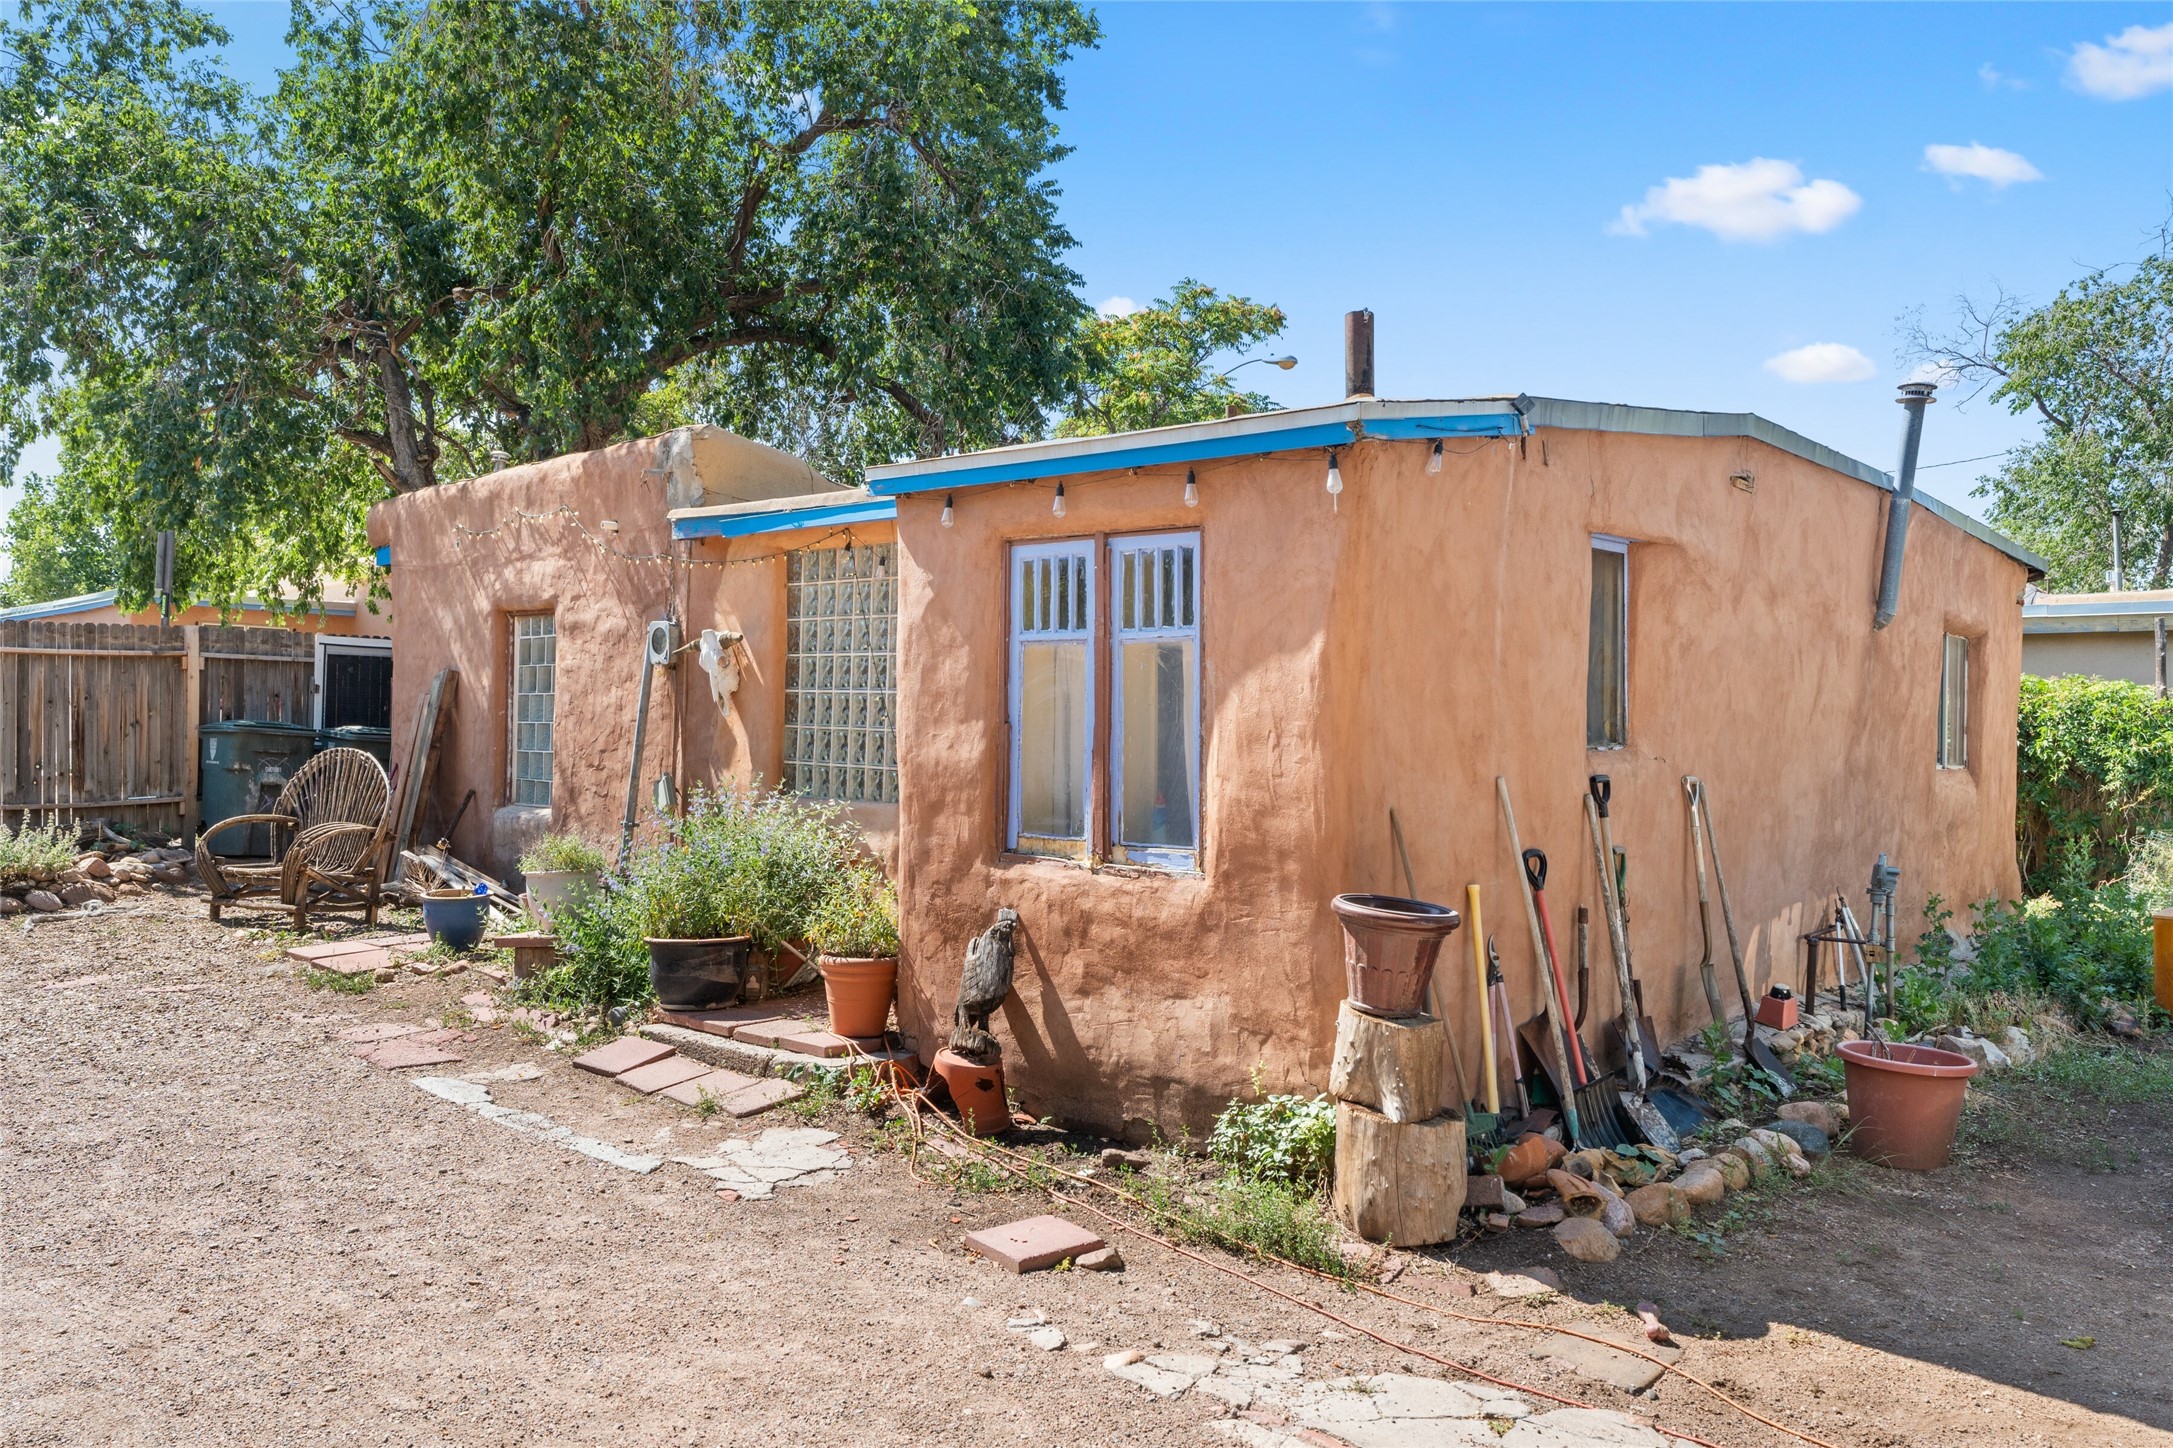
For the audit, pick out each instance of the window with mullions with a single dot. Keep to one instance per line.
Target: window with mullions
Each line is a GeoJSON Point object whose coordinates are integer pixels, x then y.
{"type": "Point", "coordinates": [1607, 648]}
{"type": "Point", "coordinates": [841, 620]}
{"type": "Point", "coordinates": [1052, 696]}
{"type": "Point", "coordinates": [1155, 711]}
{"type": "Point", "coordinates": [1954, 703]}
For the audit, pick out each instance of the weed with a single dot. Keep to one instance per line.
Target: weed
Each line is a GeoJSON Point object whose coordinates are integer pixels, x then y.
{"type": "Point", "coordinates": [332, 980]}
{"type": "Point", "coordinates": [1250, 1214]}
{"type": "Point", "coordinates": [819, 1091]}
{"type": "Point", "coordinates": [36, 852]}
{"type": "Point", "coordinates": [2115, 1075]}
{"type": "Point", "coordinates": [1280, 1138]}
{"type": "Point", "coordinates": [556, 852]}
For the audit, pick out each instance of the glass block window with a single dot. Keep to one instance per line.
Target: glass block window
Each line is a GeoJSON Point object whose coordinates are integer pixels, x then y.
{"type": "Point", "coordinates": [841, 625]}
{"type": "Point", "coordinates": [535, 705]}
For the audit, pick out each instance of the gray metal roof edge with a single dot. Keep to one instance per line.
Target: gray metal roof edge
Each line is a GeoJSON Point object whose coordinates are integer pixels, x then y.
{"type": "Point", "coordinates": [1572, 415]}
{"type": "Point", "coordinates": [831, 498]}
{"type": "Point", "coordinates": [2124, 616]}
{"type": "Point", "coordinates": [57, 607]}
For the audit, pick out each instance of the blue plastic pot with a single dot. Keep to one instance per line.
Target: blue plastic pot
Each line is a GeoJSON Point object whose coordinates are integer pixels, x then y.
{"type": "Point", "coordinates": [457, 920]}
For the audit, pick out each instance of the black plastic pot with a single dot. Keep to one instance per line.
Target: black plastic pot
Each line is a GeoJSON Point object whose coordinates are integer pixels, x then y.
{"type": "Point", "coordinates": [698, 975]}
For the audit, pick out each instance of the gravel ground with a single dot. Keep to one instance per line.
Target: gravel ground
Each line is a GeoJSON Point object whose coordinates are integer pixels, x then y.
{"type": "Point", "coordinates": [220, 1227]}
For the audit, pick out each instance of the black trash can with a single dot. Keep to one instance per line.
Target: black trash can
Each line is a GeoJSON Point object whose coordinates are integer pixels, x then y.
{"type": "Point", "coordinates": [358, 736]}
{"type": "Point", "coordinates": [242, 765]}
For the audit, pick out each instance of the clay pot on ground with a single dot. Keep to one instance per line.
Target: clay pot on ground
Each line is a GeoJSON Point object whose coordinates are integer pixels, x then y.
{"type": "Point", "coordinates": [1528, 1160]}
{"type": "Point", "coordinates": [1389, 947]}
{"type": "Point", "coordinates": [976, 1090]}
{"type": "Point", "coordinates": [454, 917]}
{"type": "Point", "coordinates": [858, 989]}
{"type": "Point", "coordinates": [1904, 1102]}
{"type": "Point", "coordinates": [550, 891]}
{"type": "Point", "coordinates": [698, 975]}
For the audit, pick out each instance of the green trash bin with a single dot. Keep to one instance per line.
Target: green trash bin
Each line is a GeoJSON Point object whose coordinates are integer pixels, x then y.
{"type": "Point", "coordinates": [242, 764]}
{"type": "Point", "coordinates": [358, 736]}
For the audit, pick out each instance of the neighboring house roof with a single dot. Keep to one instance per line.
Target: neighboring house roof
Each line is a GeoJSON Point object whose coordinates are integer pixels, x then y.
{"type": "Point", "coordinates": [782, 515]}
{"type": "Point", "coordinates": [1343, 423]}
{"type": "Point", "coordinates": [110, 598]}
{"type": "Point", "coordinates": [2131, 612]}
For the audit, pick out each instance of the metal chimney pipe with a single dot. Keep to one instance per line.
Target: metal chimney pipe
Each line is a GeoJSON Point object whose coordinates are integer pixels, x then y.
{"type": "Point", "coordinates": [1915, 396]}
{"type": "Point", "coordinates": [2120, 574]}
{"type": "Point", "coordinates": [1358, 353]}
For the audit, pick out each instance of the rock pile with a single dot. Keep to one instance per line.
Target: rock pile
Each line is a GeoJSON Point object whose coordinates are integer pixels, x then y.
{"type": "Point", "coordinates": [103, 874]}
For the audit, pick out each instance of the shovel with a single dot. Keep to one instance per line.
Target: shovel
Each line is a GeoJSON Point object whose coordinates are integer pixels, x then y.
{"type": "Point", "coordinates": [1705, 912]}
{"type": "Point", "coordinates": [1754, 1050]}
{"type": "Point", "coordinates": [1542, 953]}
{"type": "Point", "coordinates": [1650, 1123]}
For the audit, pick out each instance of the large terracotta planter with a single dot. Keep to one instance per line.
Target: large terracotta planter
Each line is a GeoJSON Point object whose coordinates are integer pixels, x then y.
{"type": "Point", "coordinates": [976, 1090]}
{"type": "Point", "coordinates": [698, 975]}
{"type": "Point", "coordinates": [1904, 1102]}
{"type": "Point", "coordinates": [858, 989]}
{"type": "Point", "coordinates": [1389, 947]}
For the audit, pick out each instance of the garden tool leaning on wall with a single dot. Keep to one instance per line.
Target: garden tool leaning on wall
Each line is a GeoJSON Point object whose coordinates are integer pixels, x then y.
{"type": "Point", "coordinates": [1755, 1051]}
{"type": "Point", "coordinates": [1650, 1123]}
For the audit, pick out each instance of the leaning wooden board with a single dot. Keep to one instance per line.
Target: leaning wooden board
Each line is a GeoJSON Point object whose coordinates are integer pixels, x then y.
{"type": "Point", "coordinates": [421, 764]}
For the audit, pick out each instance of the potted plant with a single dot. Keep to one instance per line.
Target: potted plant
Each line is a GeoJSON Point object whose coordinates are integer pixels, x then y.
{"type": "Point", "coordinates": [698, 944]}
{"type": "Point", "coordinates": [854, 926]}
{"type": "Point", "coordinates": [558, 868]}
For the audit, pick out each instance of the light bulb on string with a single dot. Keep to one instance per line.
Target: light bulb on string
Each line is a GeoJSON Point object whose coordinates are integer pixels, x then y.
{"type": "Point", "coordinates": [1057, 507]}
{"type": "Point", "coordinates": [1192, 490]}
{"type": "Point", "coordinates": [1433, 461]}
{"type": "Point", "coordinates": [946, 510]}
{"type": "Point", "coordinates": [1335, 482]}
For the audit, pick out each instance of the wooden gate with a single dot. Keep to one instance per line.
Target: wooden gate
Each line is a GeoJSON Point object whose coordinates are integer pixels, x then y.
{"type": "Point", "coordinates": [100, 718]}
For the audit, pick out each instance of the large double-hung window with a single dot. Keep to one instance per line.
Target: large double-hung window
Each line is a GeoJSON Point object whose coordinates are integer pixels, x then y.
{"type": "Point", "coordinates": [1118, 779]}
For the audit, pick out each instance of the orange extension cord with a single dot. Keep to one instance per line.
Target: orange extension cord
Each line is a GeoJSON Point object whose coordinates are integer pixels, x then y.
{"type": "Point", "coordinates": [1006, 1160]}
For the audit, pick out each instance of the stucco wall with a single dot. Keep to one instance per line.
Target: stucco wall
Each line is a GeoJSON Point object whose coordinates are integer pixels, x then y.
{"type": "Point", "coordinates": [1403, 651]}
{"type": "Point", "coordinates": [464, 561]}
{"type": "Point", "coordinates": [2129, 655]}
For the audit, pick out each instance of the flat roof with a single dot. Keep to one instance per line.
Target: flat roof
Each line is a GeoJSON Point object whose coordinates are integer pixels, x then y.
{"type": "Point", "coordinates": [1343, 423]}
{"type": "Point", "coordinates": [108, 598]}
{"type": "Point", "coordinates": [2137, 611]}
{"type": "Point", "coordinates": [782, 515]}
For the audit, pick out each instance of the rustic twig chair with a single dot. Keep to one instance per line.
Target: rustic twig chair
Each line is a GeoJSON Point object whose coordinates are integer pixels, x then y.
{"type": "Point", "coordinates": [330, 828]}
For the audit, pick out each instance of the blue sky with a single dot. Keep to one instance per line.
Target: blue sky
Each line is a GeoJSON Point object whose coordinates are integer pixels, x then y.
{"type": "Point", "coordinates": [1678, 205]}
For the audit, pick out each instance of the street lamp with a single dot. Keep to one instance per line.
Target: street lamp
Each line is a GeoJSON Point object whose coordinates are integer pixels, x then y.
{"type": "Point", "coordinates": [1285, 363]}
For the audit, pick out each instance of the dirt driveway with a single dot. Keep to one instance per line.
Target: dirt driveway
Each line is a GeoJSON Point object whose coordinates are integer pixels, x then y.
{"type": "Point", "coordinates": [219, 1226]}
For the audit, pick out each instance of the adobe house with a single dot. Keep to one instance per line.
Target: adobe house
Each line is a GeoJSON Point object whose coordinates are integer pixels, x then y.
{"type": "Point", "coordinates": [538, 582]}
{"type": "Point", "coordinates": [1159, 692]}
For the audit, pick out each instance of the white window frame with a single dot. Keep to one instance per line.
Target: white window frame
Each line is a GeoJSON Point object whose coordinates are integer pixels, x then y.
{"type": "Point", "coordinates": [328, 644]}
{"type": "Point", "coordinates": [1023, 555]}
{"type": "Point", "coordinates": [1164, 857]}
{"type": "Point", "coordinates": [1948, 694]}
{"type": "Point", "coordinates": [513, 710]}
{"type": "Point", "coordinates": [1608, 543]}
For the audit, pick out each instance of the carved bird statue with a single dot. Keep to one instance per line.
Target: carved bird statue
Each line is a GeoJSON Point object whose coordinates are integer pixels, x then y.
{"type": "Point", "coordinates": [982, 989]}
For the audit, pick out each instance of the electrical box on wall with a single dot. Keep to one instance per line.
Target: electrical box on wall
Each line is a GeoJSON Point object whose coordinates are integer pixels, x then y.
{"type": "Point", "coordinates": [663, 641]}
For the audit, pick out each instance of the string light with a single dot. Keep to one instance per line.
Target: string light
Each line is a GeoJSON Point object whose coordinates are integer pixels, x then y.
{"type": "Point", "coordinates": [1192, 490]}
{"type": "Point", "coordinates": [1433, 459]}
{"type": "Point", "coordinates": [1058, 506]}
{"type": "Point", "coordinates": [946, 510]}
{"type": "Point", "coordinates": [1335, 482]}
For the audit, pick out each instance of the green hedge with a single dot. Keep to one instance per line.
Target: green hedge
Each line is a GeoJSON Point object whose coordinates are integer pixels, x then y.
{"type": "Point", "coordinates": [2094, 775]}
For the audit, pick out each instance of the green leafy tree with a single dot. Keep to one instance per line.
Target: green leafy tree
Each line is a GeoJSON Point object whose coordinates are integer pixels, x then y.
{"type": "Point", "coordinates": [53, 550]}
{"type": "Point", "coordinates": [2095, 365]}
{"type": "Point", "coordinates": [1155, 366]}
{"type": "Point", "coordinates": [471, 227]}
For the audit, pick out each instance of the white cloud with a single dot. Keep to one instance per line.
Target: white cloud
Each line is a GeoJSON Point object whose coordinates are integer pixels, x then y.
{"type": "Point", "coordinates": [1985, 163]}
{"type": "Point", "coordinates": [1116, 307]}
{"type": "Point", "coordinates": [1758, 200]}
{"type": "Point", "coordinates": [1822, 362]}
{"type": "Point", "coordinates": [1995, 79]}
{"type": "Point", "coordinates": [2134, 63]}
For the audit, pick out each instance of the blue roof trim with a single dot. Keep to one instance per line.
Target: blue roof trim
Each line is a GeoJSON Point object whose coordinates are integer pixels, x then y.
{"type": "Point", "coordinates": [384, 556]}
{"type": "Point", "coordinates": [747, 525]}
{"type": "Point", "coordinates": [1160, 453]}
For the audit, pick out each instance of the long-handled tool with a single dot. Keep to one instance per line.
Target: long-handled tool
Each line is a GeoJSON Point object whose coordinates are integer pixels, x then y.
{"type": "Point", "coordinates": [1648, 1120]}
{"type": "Point", "coordinates": [1598, 1109]}
{"type": "Point", "coordinates": [1557, 1019]}
{"type": "Point", "coordinates": [1754, 1050]}
{"type": "Point", "coordinates": [1491, 1077]}
{"type": "Point", "coordinates": [1504, 1032]}
{"type": "Point", "coordinates": [1584, 962]}
{"type": "Point", "coordinates": [1706, 977]}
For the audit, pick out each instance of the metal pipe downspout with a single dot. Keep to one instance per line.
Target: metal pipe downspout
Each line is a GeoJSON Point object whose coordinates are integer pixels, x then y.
{"type": "Point", "coordinates": [1915, 396]}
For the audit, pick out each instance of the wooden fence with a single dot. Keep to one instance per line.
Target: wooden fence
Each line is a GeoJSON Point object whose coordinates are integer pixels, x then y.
{"type": "Point", "coordinates": [100, 718]}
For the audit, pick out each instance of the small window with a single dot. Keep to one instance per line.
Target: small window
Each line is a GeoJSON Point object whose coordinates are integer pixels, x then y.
{"type": "Point", "coordinates": [1052, 696]}
{"type": "Point", "coordinates": [1155, 714]}
{"type": "Point", "coordinates": [1954, 704]}
{"type": "Point", "coordinates": [1607, 655]}
{"type": "Point", "coordinates": [535, 689]}
{"type": "Point", "coordinates": [841, 618]}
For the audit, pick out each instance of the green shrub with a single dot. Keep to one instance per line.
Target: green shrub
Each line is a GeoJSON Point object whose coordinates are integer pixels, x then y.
{"type": "Point", "coordinates": [1243, 1213]}
{"type": "Point", "coordinates": [36, 852]}
{"type": "Point", "coordinates": [1281, 1138]}
{"type": "Point", "coordinates": [2081, 945]}
{"type": "Point", "coordinates": [2094, 774]}
{"type": "Point", "coordinates": [602, 962]}
{"type": "Point", "coordinates": [562, 852]}
{"type": "Point", "coordinates": [856, 916]}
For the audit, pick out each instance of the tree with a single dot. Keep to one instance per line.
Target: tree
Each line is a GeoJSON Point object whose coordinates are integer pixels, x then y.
{"type": "Point", "coordinates": [2096, 366]}
{"type": "Point", "coordinates": [467, 227]}
{"type": "Point", "coordinates": [1151, 367]}
{"type": "Point", "coordinates": [53, 551]}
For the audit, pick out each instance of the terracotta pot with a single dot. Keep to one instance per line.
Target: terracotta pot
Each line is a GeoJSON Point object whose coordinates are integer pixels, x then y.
{"type": "Point", "coordinates": [698, 975]}
{"type": "Point", "coordinates": [976, 1090]}
{"type": "Point", "coordinates": [1529, 1159]}
{"type": "Point", "coordinates": [1904, 1102]}
{"type": "Point", "coordinates": [858, 989]}
{"type": "Point", "coordinates": [1389, 946]}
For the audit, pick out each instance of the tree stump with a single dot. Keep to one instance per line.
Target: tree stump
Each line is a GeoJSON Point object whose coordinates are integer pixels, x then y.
{"type": "Point", "coordinates": [1393, 1066]}
{"type": "Point", "coordinates": [1400, 1182]}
